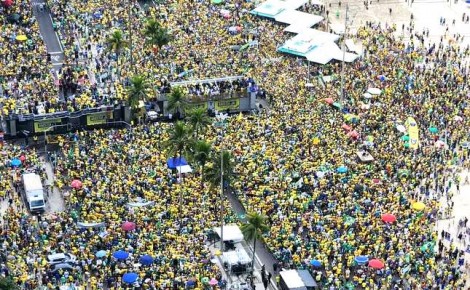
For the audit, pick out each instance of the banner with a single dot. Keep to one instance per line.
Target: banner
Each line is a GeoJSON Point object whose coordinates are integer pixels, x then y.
{"type": "Point", "coordinates": [231, 104]}
{"type": "Point", "coordinates": [98, 118]}
{"type": "Point", "coordinates": [413, 132]}
{"type": "Point", "coordinates": [198, 105]}
{"type": "Point", "coordinates": [43, 125]}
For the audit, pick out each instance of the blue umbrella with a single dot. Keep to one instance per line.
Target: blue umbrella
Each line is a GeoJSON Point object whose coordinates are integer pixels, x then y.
{"type": "Point", "coordinates": [175, 162]}
{"type": "Point", "coordinates": [342, 169]}
{"type": "Point", "coordinates": [361, 259]}
{"type": "Point", "coordinates": [121, 255]}
{"type": "Point", "coordinates": [146, 260]}
{"type": "Point", "coordinates": [315, 263]}
{"type": "Point", "coordinates": [101, 254]}
{"type": "Point", "coordinates": [15, 162]}
{"type": "Point", "coordinates": [129, 278]}
{"type": "Point", "coordinates": [190, 283]}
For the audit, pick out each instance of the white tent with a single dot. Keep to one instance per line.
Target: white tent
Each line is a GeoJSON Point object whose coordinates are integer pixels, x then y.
{"type": "Point", "coordinates": [298, 17]}
{"type": "Point", "coordinates": [271, 8]}
{"type": "Point", "coordinates": [231, 233]}
{"type": "Point", "coordinates": [184, 169]}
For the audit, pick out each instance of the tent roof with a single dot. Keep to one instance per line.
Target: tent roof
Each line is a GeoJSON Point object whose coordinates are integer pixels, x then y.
{"type": "Point", "coordinates": [292, 280]}
{"type": "Point", "coordinates": [231, 233]}
{"type": "Point", "coordinates": [271, 8]}
{"type": "Point", "coordinates": [298, 17]}
{"type": "Point", "coordinates": [307, 278]}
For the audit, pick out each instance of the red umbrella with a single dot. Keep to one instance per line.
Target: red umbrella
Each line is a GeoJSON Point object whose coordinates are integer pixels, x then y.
{"type": "Point", "coordinates": [376, 264]}
{"type": "Point", "coordinates": [128, 226]}
{"type": "Point", "coordinates": [346, 127]}
{"type": "Point", "coordinates": [353, 134]}
{"type": "Point", "coordinates": [7, 3]}
{"type": "Point", "coordinates": [22, 158]}
{"type": "Point", "coordinates": [389, 218]}
{"type": "Point", "coordinates": [329, 101]}
{"type": "Point", "coordinates": [76, 184]}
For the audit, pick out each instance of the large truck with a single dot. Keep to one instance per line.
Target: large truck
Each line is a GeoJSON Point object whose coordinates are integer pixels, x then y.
{"type": "Point", "coordinates": [33, 192]}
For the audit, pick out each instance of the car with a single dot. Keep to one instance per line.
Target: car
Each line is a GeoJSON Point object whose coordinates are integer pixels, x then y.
{"type": "Point", "coordinates": [61, 258]}
{"type": "Point", "coordinates": [152, 115]}
{"type": "Point", "coordinates": [64, 267]}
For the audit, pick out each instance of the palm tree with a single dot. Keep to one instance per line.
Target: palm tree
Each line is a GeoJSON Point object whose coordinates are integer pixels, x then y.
{"type": "Point", "coordinates": [156, 35]}
{"type": "Point", "coordinates": [178, 143]}
{"type": "Point", "coordinates": [176, 101]}
{"type": "Point", "coordinates": [253, 230]}
{"type": "Point", "coordinates": [201, 154]}
{"type": "Point", "coordinates": [198, 119]}
{"type": "Point", "coordinates": [137, 91]}
{"type": "Point", "coordinates": [116, 43]}
{"type": "Point", "coordinates": [213, 174]}
{"type": "Point", "coordinates": [6, 283]}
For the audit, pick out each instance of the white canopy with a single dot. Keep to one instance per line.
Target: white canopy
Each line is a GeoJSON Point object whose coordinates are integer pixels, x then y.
{"type": "Point", "coordinates": [304, 19]}
{"type": "Point", "coordinates": [231, 233]}
{"type": "Point", "coordinates": [292, 279]}
{"type": "Point", "coordinates": [235, 257]}
{"type": "Point", "coordinates": [271, 8]}
{"type": "Point", "coordinates": [184, 169]}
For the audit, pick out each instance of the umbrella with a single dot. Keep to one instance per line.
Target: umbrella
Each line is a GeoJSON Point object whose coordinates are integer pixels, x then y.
{"type": "Point", "coordinates": [101, 254]}
{"type": "Point", "coordinates": [14, 17]}
{"type": "Point", "coordinates": [146, 260]}
{"type": "Point", "coordinates": [190, 283]}
{"type": "Point", "coordinates": [121, 255]}
{"type": "Point", "coordinates": [439, 144]}
{"type": "Point", "coordinates": [21, 38]}
{"type": "Point", "coordinates": [217, 1]}
{"type": "Point", "coordinates": [405, 138]}
{"type": "Point", "coordinates": [403, 173]}
{"type": "Point", "coordinates": [129, 278]}
{"type": "Point", "coordinates": [382, 78]}
{"type": "Point", "coordinates": [458, 118]}
{"type": "Point", "coordinates": [7, 3]}
{"type": "Point", "coordinates": [419, 206]}
{"type": "Point", "coordinates": [346, 127]}
{"type": "Point", "coordinates": [15, 162]}
{"type": "Point", "coordinates": [361, 259]}
{"type": "Point", "coordinates": [205, 280]}
{"type": "Point", "coordinates": [342, 169]}
{"type": "Point", "coordinates": [213, 282]}
{"type": "Point", "coordinates": [329, 101]}
{"type": "Point", "coordinates": [389, 218]}
{"type": "Point", "coordinates": [22, 158]}
{"type": "Point", "coordinates": [370, 138]}
{"type": "Point", "coordinates": [433, 130]}
{"type": "Point", "coordinates": [401, 128]}
{"type": "Point", "coordinates": [353, 134]}
{"type": "Point", "coordinates": [367, 95]}
{"type": "Point", "coordinates": [376, 264]}
{"type": "Point", "coordinates": [315, 263]}
{"type": "Point", "coordinates": [76, 184]}
{"type": "Point", "coordinates": [128, 226]}
{"type": "Point", "coordinates": [175, 162]}
{"type": "Point", "coordinates": [465, 145]}
{"type": "Point", "coordinates": [374, 91]}
{"type": "Point", "coordinates": [337, 105]}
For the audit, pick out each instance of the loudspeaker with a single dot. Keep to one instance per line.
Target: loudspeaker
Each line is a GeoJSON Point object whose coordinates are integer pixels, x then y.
{"type": "Point", "coordinates": [13, 128]}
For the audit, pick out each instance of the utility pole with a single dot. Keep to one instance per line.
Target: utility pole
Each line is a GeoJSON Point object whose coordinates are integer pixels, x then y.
{"type": "Point", "coordinates": [344, 53]}
{"type": "Point", "coordinates": [129, 27]}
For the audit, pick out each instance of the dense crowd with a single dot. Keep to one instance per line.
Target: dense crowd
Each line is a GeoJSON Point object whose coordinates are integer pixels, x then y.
{"type": "Point", "coordinates": [288, 159]}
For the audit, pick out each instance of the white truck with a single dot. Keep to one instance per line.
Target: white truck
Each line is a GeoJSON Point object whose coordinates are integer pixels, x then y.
{"type": "Point", "coordinates": [33, 192]}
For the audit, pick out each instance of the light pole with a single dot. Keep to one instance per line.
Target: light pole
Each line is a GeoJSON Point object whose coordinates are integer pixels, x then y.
{"type": "Point", "coordinates": [344, 53]}
{"type": "Point", "coordinates": [221, 124]}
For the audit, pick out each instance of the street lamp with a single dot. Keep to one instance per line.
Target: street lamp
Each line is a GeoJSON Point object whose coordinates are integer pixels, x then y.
{"type": "Point", "coordinates": [221, 124]}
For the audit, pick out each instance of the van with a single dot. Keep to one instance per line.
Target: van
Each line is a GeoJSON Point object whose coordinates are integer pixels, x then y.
{"type": "Point", "coordinates": [61, 258]}
{"type": "Point", "coordinates": [33, 192]}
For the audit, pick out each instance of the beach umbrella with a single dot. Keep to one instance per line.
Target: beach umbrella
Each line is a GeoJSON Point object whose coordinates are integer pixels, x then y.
{"type": "Point", "coordinates": [175, 162]}
{"type": "Point", "coordinates": [7, 3]}
{"type": "Point", "coordinates": [329, 101]}
{"type": "Point", "coordinates": [22, 158]}
{"type": "Point", "coordinates": [21, 38]}
{"type": "Point", "coordinates": [315, 263]}
{"type": "Point", "coordinates": [389, 218]}
{"type": "Point", "coordinates": [128, 226]}
{"type": "Point", "coordinates": [419, 206]}
{"type": "Point", "coordinates": [130, 278]}
{"type": "Point", "coordinates": [376, 264]}
{"type": "Point", "coordinates": [401, 128]}
{"type": "Point", "coordinates": [374, 91]}
{"type": "Point", "coordinates": [190, 283]}
{"type": "Point", "coordinates": [101, 254]}
{"type": "Point", "coordinates": [433, 130]}
{"type": "Point", "coordinates": [405, 138]}
{"type": "Point", "coordinates": [205, 280]}
{"type": "Point", "coordinates": [361, 259]}
{"type": "Point", "coordinates": [76, 184]}
{"type": "Point", "coordinates": [342, 169]}
{"type": "Point", "coordinates": [346, 127]}
{"type": "Point", "coordinates": [146, 260]}
{"type": "Point", "coordinates": [367, 95]}
{"type": "Point", "coordinates": [337, 105]}
{"type": "Point", "coordinates": [121, 255]}
{"type": "Point", "coordinates": [213, 282]}
{"type": "Point", "coordinates": [15, 162]}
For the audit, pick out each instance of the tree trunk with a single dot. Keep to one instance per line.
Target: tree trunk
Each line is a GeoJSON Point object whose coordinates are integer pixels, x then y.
{"type": "Point", "coordinates": [253, 262]}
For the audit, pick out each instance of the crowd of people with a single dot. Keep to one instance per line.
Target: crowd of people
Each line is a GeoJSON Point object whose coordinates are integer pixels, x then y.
{"type": "Point", "coordinates": [296, 162]}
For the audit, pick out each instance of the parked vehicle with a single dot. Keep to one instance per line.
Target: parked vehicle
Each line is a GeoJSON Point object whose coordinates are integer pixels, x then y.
{"type": "Point", "coordinates": [61, 258]}
{"type": "Point", "coordinates": [33, 192]}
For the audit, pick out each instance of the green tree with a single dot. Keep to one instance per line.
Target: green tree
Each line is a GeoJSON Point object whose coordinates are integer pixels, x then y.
{"type": "Point", "coordinates": [201, 154]}
{"type": "Point", "coordinates": [6, 283]}
{"type": "Point", "coordinates": [213, 174]}
{"type": "Point", "coordinates": [253, 230]}
{"type": "Point", "coordinates": [198, 120]}
{"type": "Point", "coordinates": [136, 92]}
{"type": "Point", "coordinates": [116, 43]}
{"type": "Point", "coordinates": [176, 101]}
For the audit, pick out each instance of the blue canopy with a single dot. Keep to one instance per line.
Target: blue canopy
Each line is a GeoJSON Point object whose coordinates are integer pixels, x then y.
{"type": "Point", "coordinates": [146, 260]}
{"type": "Point", "coordinates": [101, 254]}
{"type": "Point", "coordinates": [175, 162]}
{"type": "Point", "coordinates": [361, 259]}
{"type": "Point", "coordinates": [342, 169]}
{"type": "Point", "coordinates": [315, 263]}
{"type": "Point", "coordinates": [121, 255]}
{"type": "Point", "coordinates": [15, 162]}
{"type": "Point", "coordinates": [129, 278]}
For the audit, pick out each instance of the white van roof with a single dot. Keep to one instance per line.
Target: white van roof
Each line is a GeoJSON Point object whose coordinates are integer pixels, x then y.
{"type": "Point", "coordinates": [32, 181]}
